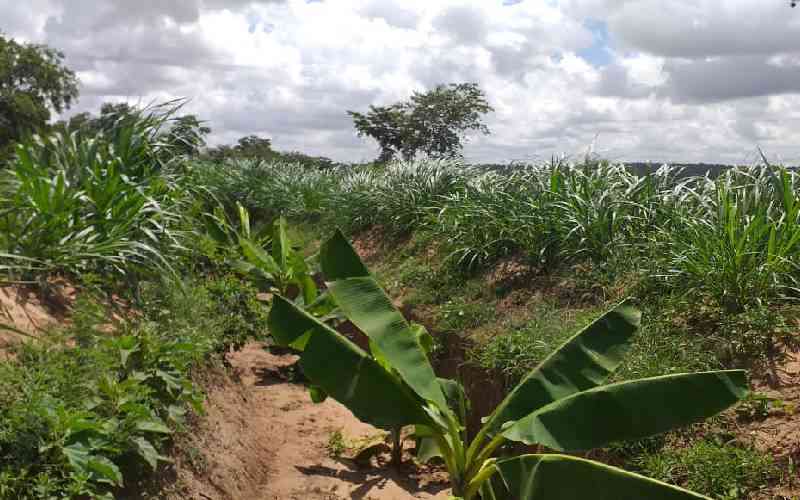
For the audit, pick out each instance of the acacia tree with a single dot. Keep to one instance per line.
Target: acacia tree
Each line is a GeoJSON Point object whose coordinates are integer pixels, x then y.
{"type": "Point", "coordinates": [433, 122]}
{"type": "Point", "coordinates": [33, 83]}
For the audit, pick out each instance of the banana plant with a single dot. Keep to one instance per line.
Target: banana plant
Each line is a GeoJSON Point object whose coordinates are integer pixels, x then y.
{"type": "Point", "coordinates": [267, 257]}
{"type": "Point", "coordinates": [283, 268]}
{"type": "Point", "coordinates": [562, 405]}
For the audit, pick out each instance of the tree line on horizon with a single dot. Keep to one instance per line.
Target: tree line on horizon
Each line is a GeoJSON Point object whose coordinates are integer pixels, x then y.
{"type": "Point", "coordinates": [35, 84]}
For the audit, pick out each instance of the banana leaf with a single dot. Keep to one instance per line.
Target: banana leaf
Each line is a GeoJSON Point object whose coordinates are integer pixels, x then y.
{"type": "Point", "coordinates": [344, 371]}
{"type": "Point", "coordinates": [547, 477]}
{"type": "Point", "coordinates": [629, 410]}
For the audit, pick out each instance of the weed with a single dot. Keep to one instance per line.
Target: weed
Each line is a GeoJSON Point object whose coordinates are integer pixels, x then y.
{"type": "Point", "coordinates": [757, 406]}
{"type": "Point", "coordinates": [240, 314]}
{"type": "Point", "coordinates": [336, 444]}
{"type": "Point", "coordinates": [458, 315]}
{"type": "Point", "coordinates": [196, 458]}
{"type": "Point", "coordinates": [723, 471]}
{"type": "Point", "coordinates": [517, 352]}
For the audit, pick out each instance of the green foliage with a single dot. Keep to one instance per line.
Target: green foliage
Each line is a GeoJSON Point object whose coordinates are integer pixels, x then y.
{"type": "Point", "coordinates": [732, 239]}
{"type": "Point", "coordinates": [267, 258]}
{"type": "Point", "coordinates": [83, 421]}
{"type": "Point", "coordinates": [722, 471]}
{"type": "Point", "coordinates": [266, 189]}
{"type": "Point", "coordinates": [179, 135]}
{"type": "Point", "coordinates": [667, 344]}
{"type": "Point", "coordinates": [517, 352]}
{"type": "Point", "coordinates": [432, 122]}
{"type": "Point", "coordinates": [241, 315]}
{"type": "Point", "coordinates": [79, 204]}
{"type": "Point", "coordinates": [753, 334]}
{"type": "Point", "coordinates": [561, 404]}
{"type": "Point", "coordinates": [458, 315]}
{"type": "Point", "coordinates": [111, 115]}
{"type": "Point", "coordinates": [186, 135]}
{"type": "Point", "coordinates": [283, 269]}
{"type": "Point", "coordinates": [257, 148]}
{"type": "Point", "coordinates": [33, 82]}
{"type": "Point", "coordinates": [250, 147]}
{"type": "Point", "coordinates": [336, 444]}
{"type": "Point", "coordinates": [737, 238]}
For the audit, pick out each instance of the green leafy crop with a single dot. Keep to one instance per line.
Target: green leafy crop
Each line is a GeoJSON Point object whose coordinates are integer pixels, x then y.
{"type": "Point", "coordinates": [561, 405]}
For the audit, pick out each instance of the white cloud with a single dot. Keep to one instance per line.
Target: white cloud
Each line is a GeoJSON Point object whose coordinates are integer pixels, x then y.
{"type": "Point", "coordinates": [687, 80]}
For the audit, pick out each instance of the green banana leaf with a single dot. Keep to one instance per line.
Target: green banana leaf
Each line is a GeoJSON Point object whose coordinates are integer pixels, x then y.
{"type": "Point", "coordinates": [258, 257]}
{"type": "Point", "coordinates": [547, 477]}
{"type": "Point", "coordinates": [369, 308]}
{"type": "Point", "coordinates": [584, 361]}
{"type": "Point", "coordinates": [345, 372]}
{"type": "Point", "coordinates": [281, 246]}
{"type": "Point", "coordinates": [427, 445]}
{"type": "Point", "coordinates": [302, 276]}
{"type": "Point", "coordinates": [338, 259]}
{"type": "Point", "coordinates": [629, 410]}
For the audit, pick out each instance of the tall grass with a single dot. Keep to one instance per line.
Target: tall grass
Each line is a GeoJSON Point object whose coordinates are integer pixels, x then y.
{"type": "Point", "coordinates": [108, 202]}
{"type": "Point", "coordinates": [733, 238]}
{"type": "Point", "coordinates": [737, 238]}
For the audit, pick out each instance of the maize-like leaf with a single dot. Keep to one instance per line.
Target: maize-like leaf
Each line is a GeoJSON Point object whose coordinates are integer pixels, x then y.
{"type": "Point", "coordinates": [281, 246]}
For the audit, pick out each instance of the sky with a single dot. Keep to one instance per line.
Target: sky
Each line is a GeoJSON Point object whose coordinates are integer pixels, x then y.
{"type": "Point", "coordinates": [630, 80]}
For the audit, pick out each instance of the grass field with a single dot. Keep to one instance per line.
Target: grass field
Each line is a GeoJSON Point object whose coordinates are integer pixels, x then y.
{"type": "Point", "coordinates": [501, 266]}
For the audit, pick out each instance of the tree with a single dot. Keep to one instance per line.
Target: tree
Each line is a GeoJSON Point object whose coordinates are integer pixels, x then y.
{"type": "Point", "coordinates": [33, 83]}
{"type": "Point", "coordinates": [110, 114]}
{"type": "Point", "coordinates": [434, 123]}
{"type": "Point", "coordinates": [253, 146]}
{"type": "Point", "coordinates": [187, 135]}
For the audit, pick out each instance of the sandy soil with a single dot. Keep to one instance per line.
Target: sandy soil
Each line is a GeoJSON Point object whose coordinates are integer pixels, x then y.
{"type": "Point", "coordinates": [22, 308]}
{"type": "Point", "coordinates": [779, 433]}
{"type": "Point", "coordinates": [264, 439]}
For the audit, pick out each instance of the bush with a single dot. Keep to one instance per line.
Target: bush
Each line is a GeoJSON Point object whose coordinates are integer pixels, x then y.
{"type": "Point", "coordinates": [241, 316]}
{"type": "Point", "coordinates": [84, 420]}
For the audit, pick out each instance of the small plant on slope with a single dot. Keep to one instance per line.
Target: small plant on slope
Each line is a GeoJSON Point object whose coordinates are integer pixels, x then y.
{"type": "Point", "coordinates": [270, 260]}
{"type": "Point", "coordinates": [560, 405]}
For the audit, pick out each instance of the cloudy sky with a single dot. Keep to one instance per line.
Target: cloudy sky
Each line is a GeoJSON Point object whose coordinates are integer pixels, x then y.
{"type": "Point", "coordinates": [680, 80]}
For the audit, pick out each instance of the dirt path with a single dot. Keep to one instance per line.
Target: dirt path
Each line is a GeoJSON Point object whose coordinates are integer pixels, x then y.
{"type": "Point", "coordinates": [264, 439]}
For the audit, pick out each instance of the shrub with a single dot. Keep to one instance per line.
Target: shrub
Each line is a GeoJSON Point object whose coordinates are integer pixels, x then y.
{"type": "Point", "coordinates": [236, 307]}
{"type": "Point", "coordinates": [84, 420]}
